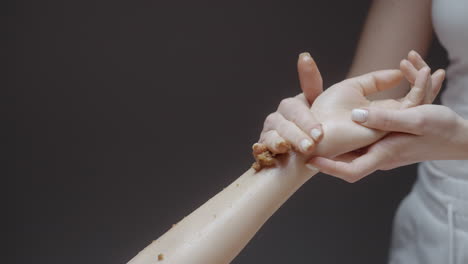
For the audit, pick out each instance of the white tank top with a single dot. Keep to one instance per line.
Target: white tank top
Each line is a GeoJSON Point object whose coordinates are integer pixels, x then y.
{"type": "Point", "coordinates": [450, 20]}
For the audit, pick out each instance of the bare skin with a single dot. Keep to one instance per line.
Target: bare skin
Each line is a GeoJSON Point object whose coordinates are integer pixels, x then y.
{"type": "Point", "coordinates": [392, 28]}
{"type": "Point", "coordinates": [219, 229]}
{"type": "Point", "coordinates": [416, 133]}
{"type": "Point", "coordinates": [428, 132]}
{"type": "Point", "coordinates": [288, 125]}
{"type": "Point", "coordinates": [232, 217]}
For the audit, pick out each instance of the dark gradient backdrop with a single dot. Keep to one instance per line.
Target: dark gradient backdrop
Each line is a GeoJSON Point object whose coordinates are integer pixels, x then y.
{"type": "Point", "coordinates": [128, 115]}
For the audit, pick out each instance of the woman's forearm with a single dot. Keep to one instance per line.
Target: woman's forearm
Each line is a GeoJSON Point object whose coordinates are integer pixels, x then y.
{"type": "Point", "coordinates": [389, 33]}
{"type": "Point", "coordinates": [219, 229]}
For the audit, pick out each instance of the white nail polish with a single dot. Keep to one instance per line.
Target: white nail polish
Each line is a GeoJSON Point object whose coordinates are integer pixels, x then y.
{"type": "Point", "coordinates": [305, 144]}
{"type": "Point", "coordinates": [305, 56]}
{"type": "Point", "coordinates": [312, 168]}
{"type": "Point", "coordinates": [315, 133]}
{"type": "Point", "coordinates": [359, 115]}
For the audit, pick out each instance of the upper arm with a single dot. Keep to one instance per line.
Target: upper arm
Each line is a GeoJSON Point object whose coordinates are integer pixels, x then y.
{"type": "Point", "coordinates": [392, 29]}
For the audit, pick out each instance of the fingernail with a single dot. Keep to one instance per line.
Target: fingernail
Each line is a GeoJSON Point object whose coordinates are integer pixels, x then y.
{"type": "Point", "coordinates": [359, 115]}
{"type": "Point", "coordinates": [255, 146]}
{"type": "Point", "coordinates": [305, 56]}
{"type": "Point", "coordinates": [316, 133]}
{"type": "Point", "coordinates": [311, 167]}
{"type": "Point", "coordinates": [305, 145]}
{"type": "Point", "coordinates": [282, 146]}
{"type": "Point", "coordinates": [258, 148]}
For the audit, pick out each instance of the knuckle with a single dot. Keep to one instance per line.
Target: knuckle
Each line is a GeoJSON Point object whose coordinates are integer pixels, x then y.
{"type": "Point", "coordinates": [297, 116]}
{"type": "Point", "coordinates": [270, 120]}
{"type": "Point", "coordinates": [345, 173]}
{"type": "Point", "coordinates": [294, 134]}
{"type": "Point", "coordinates": [351, 177]}
{"type": "Point", "coordinates": [286, 104]}
{"type": "Point", "coordinates": [372, 81]}
{"type": "Point", "coordinates": [420, 121]}
{"type": "Point", "coordinates": [303, 119]}
{"type": "Point", "coordinates": [285, 130]}
{"type": "Point", "coordinates": [269, 143]}
{"type": "Point", "coordinates": [356, 175]}
{"type": "Point", "coordinates": [385, 122]}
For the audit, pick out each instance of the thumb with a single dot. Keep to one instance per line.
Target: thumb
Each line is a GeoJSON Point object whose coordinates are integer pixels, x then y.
{"type": "Point", "coordinates": [309, 77]}
{"type": "Point", "coordinates": [376, 81]}
{"type": "Point", "coordinates": [407, 121]}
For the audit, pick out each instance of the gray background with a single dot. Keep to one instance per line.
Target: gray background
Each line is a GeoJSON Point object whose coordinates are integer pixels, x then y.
{"type": "Point", "coordinates": [128, 115]}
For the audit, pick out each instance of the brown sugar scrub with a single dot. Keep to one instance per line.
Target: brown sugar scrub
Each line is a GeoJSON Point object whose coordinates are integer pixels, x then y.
{"type": "Point", "coordinates": [264, 158]}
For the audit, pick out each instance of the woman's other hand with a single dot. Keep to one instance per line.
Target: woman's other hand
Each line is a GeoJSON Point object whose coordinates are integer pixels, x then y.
{"type": "Point", "coordinates": [333, 107]}
{"type": "Point", "coordinates": [426, 132]}
{"type": "Point", "coordinates": [293, 124]}
{"type": "Point", "coordinates": [293, 121]}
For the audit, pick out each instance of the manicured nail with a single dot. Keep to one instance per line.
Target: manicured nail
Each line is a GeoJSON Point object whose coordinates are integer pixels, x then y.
{"type": "Point", "coordinates": [305, 145]}
{"type": "Point", "coordinates": [305, 56]}
{"type": "Point", "coordinates": [312, 168]}
{"type": "Point", "coordinates": [359, 115]}
{"type": "Point", "coordinates": [316, 133]}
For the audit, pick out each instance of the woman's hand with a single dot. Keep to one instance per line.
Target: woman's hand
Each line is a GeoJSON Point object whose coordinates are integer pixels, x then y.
{"type": "Point", "coordinates": [426, 132]}
{"type": "Point", "coordinates": [333, 108]}
{"type": "Point", "coordinates": [293, 125]}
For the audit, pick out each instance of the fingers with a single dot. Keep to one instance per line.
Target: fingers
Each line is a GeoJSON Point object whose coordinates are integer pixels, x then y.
{"type": "Point", "coordinates": [408, 121]}
{"type": "Point", "coordinates": [377, 81]}
{"type": "Point", "coordinates": [274, 142]}
{"type": "Point", "coordinates": [309, 77]}
{"type": "Point", "coordinates": [294, 125]}
{"type": "Point", "coordinates": [350, 171]}
{"type": "Point", "coordinates": [418, 92]}
{"type": "Point", "coordinates": [410, 69]}
{"type": "Point", "coordinates": [289, 132]}
{"type": "Point", "coordinates": [416, 60]}
{"type": "Point", "coordinates": [297, 112]}
{"type": "Point", "coordinates": [258, 148]}
{"type": "Point", "coordinates": [437, 80]}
